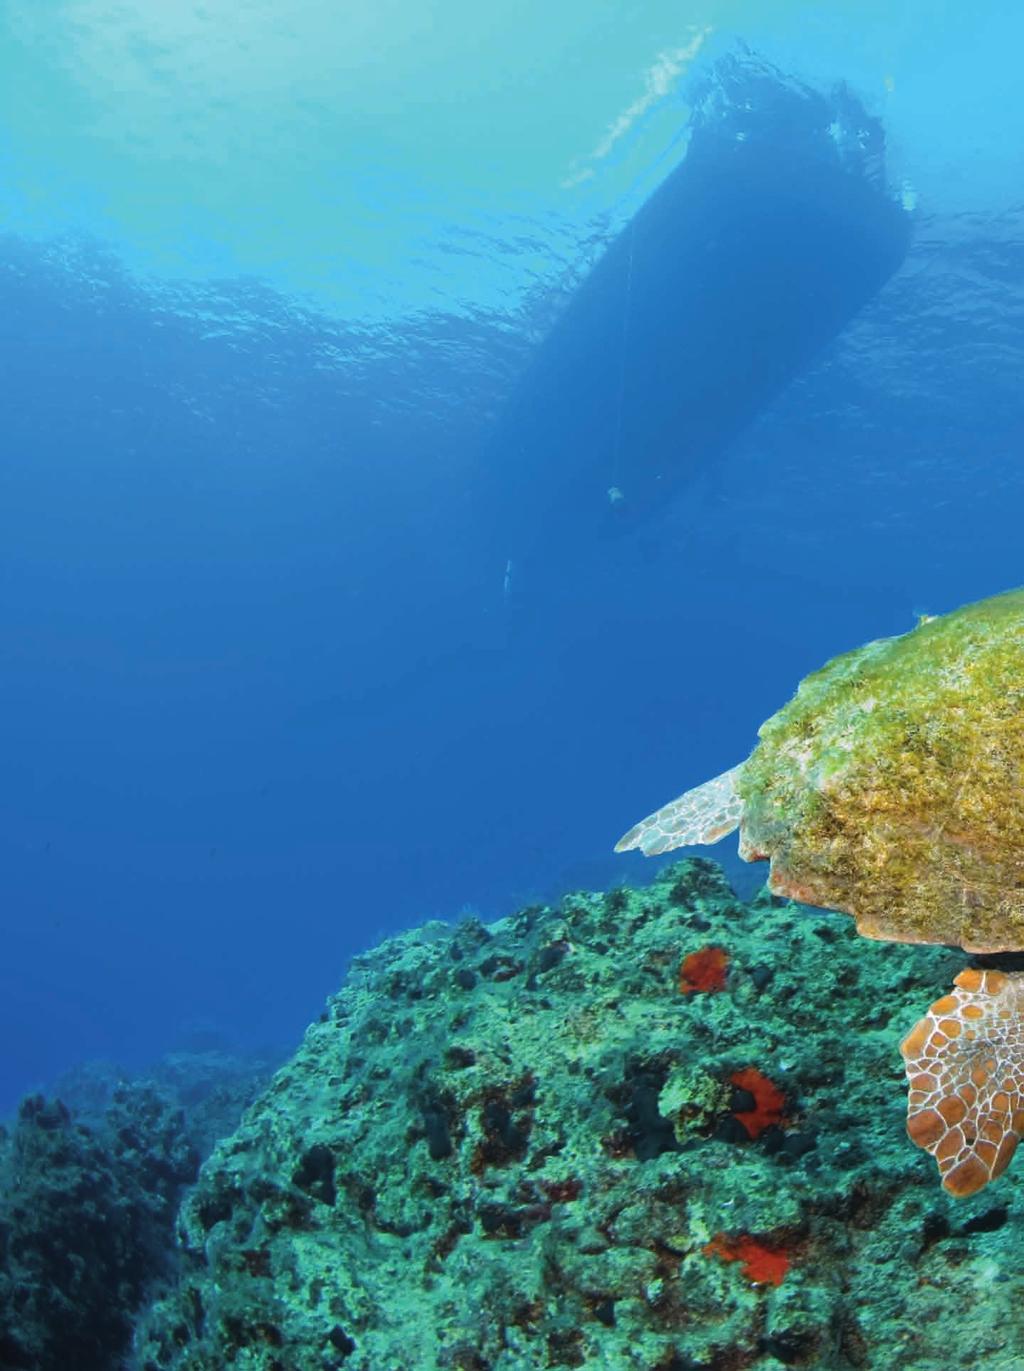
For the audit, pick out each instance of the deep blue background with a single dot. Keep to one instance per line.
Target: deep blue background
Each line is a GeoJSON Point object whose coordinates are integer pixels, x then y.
{"type": "Point", "coordinates": [260, 698]}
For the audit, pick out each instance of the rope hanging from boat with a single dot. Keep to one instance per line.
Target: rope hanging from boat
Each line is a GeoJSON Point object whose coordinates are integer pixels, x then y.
{"type": "Point", "coordinates": [615, 489]}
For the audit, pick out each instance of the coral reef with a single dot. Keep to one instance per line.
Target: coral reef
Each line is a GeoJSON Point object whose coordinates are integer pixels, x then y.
{"type": "Point", "coordinates": [86, 1223]}
{"type": "Point", "coordinates": [524, 1145]}
{"type": "Point", "coordinates": [210, 1085]}
{"type": "Point", "coordinates": [90, 1183]}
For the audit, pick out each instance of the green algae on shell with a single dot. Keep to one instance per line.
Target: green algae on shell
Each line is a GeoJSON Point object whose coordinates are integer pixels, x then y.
{"type": "Point", "coordinates": [889, 786]}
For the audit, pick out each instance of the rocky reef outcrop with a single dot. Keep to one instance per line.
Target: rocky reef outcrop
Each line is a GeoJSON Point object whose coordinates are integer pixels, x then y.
{"type": "Point", "coordinates": [86, 1225]}
{"type": "Point", "coordinates": [653, 1129]}
{"type": "Point", "coordinates": [90, 1183]}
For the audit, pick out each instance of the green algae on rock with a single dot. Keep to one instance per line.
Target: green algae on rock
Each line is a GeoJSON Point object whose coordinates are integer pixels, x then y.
{"type": "Point", "coordinates": [889, 787]}
{"type": "Point", "coordinates": [516, 1146]}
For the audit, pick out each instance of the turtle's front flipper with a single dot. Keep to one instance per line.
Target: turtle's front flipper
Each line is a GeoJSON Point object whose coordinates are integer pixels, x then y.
{"type": "Point", "coordinates": [700, 816]}
{"type": "Point", "coordinates": [965, 1065]}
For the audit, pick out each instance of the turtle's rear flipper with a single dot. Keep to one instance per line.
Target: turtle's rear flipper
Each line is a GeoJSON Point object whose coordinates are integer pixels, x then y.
{"type": "Point", "coordinates": [965, 1065]}
{"type": "Point", "coordinates": [700, 816]}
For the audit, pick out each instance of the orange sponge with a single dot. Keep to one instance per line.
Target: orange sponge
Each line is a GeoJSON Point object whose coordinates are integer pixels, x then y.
{"type": "Point", "coordinates": [769, 1101]}
{"type": "Point", "coordinates": [703, 970]}
{"type": "Point", "coordinates": [761, 1265]}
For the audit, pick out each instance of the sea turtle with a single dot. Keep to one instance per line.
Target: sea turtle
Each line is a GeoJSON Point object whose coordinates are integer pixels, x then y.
{"type": "Point", "coordinates": [891, 787]}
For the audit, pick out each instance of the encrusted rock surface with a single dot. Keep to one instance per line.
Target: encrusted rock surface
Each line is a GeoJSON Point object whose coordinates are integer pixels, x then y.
{"type": "Point", "coordinates": [548, 1143]}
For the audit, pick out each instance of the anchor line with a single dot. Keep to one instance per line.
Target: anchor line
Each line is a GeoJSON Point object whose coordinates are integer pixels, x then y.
{"type": "Point", "coordinates": [617, 444]}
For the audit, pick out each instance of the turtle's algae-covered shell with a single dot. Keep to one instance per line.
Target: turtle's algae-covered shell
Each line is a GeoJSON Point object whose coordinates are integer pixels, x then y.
{"type": "Point", "coordinates": [892, 785]}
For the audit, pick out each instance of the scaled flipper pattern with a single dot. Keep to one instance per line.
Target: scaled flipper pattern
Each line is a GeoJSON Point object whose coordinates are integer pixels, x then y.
{"type": "Point", "coordinates": [701, 816]}
{"type": "Point", "coordinates": [965, 1066]}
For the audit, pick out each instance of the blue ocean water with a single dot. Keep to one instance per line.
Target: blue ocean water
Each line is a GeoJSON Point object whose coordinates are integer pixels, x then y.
{"type": "Point", "coordinates": [318, 618]}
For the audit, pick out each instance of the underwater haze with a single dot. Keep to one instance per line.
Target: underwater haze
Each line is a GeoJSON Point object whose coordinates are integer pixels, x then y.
{"type": "Point", "coordinates": [434, 434]}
